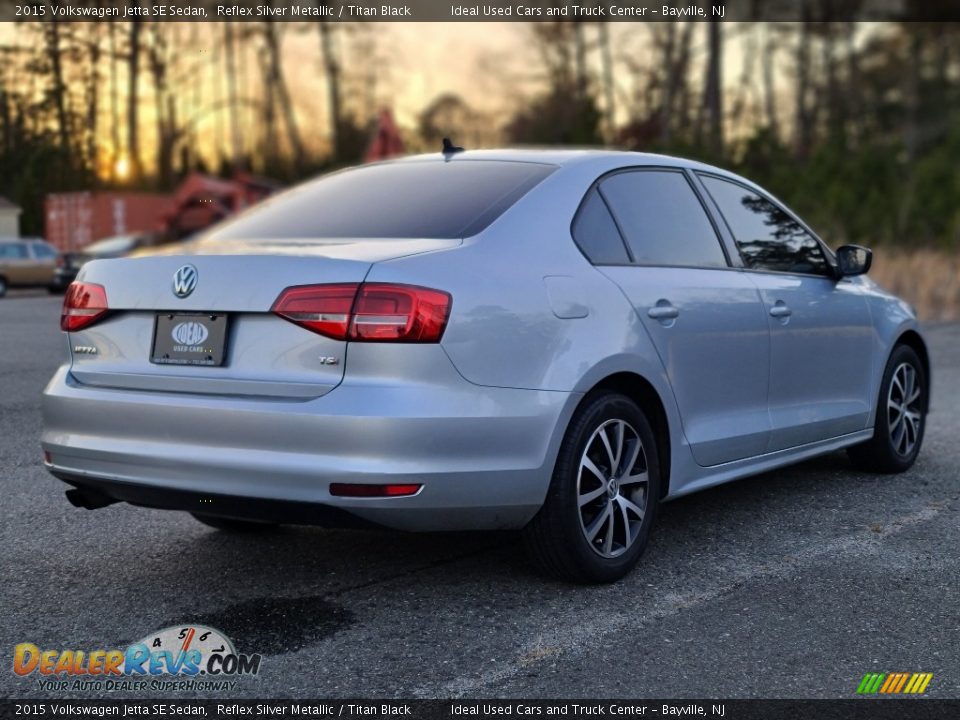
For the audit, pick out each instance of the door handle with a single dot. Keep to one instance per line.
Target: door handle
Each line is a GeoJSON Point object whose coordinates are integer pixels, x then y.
{"type": "Point", "coordinates": [780, 310]}
{"type": "Point", "coordinates": [663, 310]}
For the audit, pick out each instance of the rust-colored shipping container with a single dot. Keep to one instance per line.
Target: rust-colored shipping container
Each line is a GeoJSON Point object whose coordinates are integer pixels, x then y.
{"type": "Point", "coordinates": [74, 220]}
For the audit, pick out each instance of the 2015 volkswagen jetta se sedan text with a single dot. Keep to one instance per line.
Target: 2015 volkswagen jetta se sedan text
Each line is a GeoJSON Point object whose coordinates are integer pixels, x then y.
{"type": "Point", "coordinates": [553, 341]}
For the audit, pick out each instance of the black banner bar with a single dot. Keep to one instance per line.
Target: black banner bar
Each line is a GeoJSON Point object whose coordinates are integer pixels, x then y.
{"type": "Point", "coordinates": [856, 709]}
{"type": "Point", "coordinates": [478, 10]}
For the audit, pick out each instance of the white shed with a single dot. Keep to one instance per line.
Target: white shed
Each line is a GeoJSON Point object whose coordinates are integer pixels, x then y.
{"type": "Point", "coordinates": [9, 218]}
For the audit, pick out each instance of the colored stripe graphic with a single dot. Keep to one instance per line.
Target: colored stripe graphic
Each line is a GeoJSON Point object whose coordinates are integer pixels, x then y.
{"type": "Point", "coordinates": [894, 683]}
{"type": "Point", "coordinates": [890, 682]}
{"type": "Point", "coordinates": [903, 680]}
{"type": "Point", "coordinates": [870, 683]}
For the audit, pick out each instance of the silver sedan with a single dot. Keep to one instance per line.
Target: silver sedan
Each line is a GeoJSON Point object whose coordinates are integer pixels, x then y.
{"type": "Point", "coordinates": [553, 341]}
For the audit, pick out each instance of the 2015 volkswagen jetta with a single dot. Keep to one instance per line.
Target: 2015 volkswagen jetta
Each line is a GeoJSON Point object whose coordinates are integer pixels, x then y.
{"type": "Point", "coordinates": [554, 341]}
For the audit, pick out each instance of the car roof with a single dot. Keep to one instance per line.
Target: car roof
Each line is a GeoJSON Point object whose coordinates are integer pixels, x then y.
{"type": "Point", "coordinates": [564, 157]}
{"type": "Point", "coordinates": [583, 160]}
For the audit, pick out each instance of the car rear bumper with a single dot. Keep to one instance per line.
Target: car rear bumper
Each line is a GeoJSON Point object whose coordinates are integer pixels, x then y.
{"type": "Point", "coordinates": [483, 455]}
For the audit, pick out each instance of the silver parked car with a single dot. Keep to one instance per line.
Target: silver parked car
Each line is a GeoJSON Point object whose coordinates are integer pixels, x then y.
{"type": "Point", "coordinates": [553, 341]}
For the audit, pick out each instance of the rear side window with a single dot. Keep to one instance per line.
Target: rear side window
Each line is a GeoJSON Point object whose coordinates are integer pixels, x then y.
{"type": "Point", "coordinates": [43, 251]}
{"type": "Point", "coordinates": [766, 235]}
{"type": "Point", "coordinates": [13, 251]}
{"type": "Point", "coordinates": [394, 200]}
{"type": "Point", "coordinates": [596, 233]}
{"type": "Point", "coordinates": [662, 219]}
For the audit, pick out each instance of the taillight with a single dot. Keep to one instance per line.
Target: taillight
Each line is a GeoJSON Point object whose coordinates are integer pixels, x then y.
{"type": "Point", "coordinates": [83, 305]}
{"type": "Point", "coordinates": [369, 312]}
{"type": "Point", "coordinates": [325, 309]}
{"type": "Point", "coordinates": [400, 313]}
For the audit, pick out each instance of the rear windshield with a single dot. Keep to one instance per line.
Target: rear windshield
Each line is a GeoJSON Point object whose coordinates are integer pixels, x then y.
{"type": "Point", "coordinates": [394, 200]}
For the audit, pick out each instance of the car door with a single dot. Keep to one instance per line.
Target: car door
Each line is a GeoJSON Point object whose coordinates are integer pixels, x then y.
{"type": "Point", "coordinates": [704, 318]}
{"type": "Point", "coordinates": [45, 262]}
{"type": "Point", "coordinates": [821, 333]}
{"type": "Point", "coordinates": [15, 263]}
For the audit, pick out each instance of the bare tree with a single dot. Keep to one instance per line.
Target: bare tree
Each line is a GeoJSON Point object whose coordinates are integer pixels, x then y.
{"type": "Point", "coordinates": [771, 43]}
{"type": "Point", "coordinates": [114, 101]}
{"type": "Point", "coordinates": [673, 41]}
{"type": "Point", "coordinates": [276, 86]}
{"type": "Point", "coordinates": [133, 100]}
{"type": "Point", "coordinates": [159, 53]}
{"type": "Point", "coordinates": [803, 116]}
{"type": "Point", "coordinates": [713, 91]}
{"type": "Point", "coordinates": [606, 63]}
{"type": "Point", "coordinates": [58, 90]}
{"type": "Point", "coordinates": [331, 66]}
{"type": "Point", "coordinates": [92, 91]}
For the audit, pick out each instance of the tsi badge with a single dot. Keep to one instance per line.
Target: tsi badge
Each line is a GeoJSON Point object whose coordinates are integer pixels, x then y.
{"type": "Point", "coordinates": [185, 281]}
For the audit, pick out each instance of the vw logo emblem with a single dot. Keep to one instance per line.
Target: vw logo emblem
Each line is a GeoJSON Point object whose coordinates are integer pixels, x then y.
{"type": "Point", "coordinates": [184, 281]}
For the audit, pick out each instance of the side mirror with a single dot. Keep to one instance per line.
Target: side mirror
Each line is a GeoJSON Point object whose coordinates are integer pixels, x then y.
{"type": "Point", "coordinates": [853, 260]}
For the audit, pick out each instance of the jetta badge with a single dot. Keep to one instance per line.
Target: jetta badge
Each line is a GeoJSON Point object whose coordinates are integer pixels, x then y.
{"type": "Point", "coordinates": [184, 281]}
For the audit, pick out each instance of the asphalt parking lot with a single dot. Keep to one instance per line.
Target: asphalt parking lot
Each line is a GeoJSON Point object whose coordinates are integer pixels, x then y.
{"type": "Point", "coordinates": [792, 584]}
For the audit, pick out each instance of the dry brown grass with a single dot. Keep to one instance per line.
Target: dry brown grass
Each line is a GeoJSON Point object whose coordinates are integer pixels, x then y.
{"type": "Point", "coordinates": [927, 279]}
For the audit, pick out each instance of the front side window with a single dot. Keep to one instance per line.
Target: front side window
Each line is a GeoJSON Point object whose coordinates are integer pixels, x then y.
{"type": "Point", "coordinates": [596, 233]}
{"type": "Point", "coordinates": [766, 235]}
{"type": "Point", "coordinates": [662, 219]}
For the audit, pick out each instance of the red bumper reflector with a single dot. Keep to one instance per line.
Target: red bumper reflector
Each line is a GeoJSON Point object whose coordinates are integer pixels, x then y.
{"type": "Point", "coordinates": [364, 490]}
{"type": "Point", "coordinates": [47, 458]}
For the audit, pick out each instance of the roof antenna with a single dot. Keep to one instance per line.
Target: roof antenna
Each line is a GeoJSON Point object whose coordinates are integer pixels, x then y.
{"type": "Point", "coordinates": [449, 148]}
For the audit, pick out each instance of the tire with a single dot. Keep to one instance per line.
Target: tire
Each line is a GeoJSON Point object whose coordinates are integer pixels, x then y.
{"type": "Point", "coordinates": [233, 524]}
{"type": "Point", "coordinates": [3, 286]}
{"type": "Point", "coordinates": [558, 539]}
{"type": "Point", "coordinates": [897, 435]}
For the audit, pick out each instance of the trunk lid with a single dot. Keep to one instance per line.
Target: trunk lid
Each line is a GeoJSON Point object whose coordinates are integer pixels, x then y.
{"type": "Point", "coordinates": [264, 355]}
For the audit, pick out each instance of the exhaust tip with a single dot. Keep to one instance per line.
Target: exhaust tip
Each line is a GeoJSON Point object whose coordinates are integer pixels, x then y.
{"type": "Point", "coordinates": [89, 499]}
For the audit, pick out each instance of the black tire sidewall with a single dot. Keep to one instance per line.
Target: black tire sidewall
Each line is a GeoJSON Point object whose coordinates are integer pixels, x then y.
{"type": "Point", "coordinates": [596, 411]}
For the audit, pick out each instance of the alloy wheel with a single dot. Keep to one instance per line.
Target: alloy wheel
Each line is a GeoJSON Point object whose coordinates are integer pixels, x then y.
{"type": "Point", "coordinates": [904, 409]}
{"type": "Point", "coordinates": [612, 488]}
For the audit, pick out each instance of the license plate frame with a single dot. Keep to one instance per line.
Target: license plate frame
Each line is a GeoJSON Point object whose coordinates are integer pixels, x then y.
{"type": "Point", "coordinates": [189, 338]}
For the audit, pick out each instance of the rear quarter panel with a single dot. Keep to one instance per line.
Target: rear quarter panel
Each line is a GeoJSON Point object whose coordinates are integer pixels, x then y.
{"type": "Point", "coordinates": [529, 311]}
{"type": "Point", "coordinates": [509, 327]}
